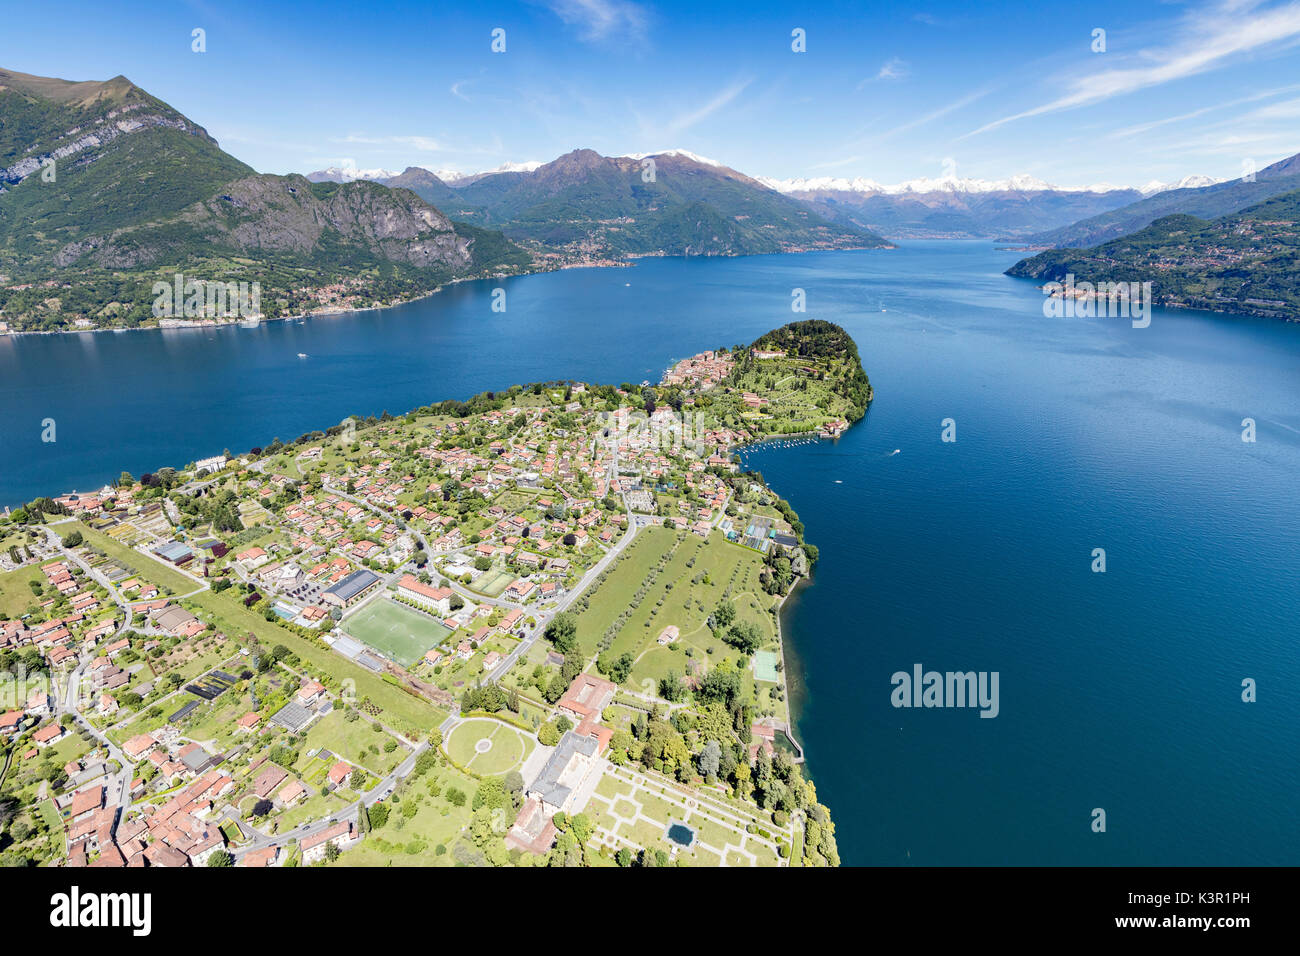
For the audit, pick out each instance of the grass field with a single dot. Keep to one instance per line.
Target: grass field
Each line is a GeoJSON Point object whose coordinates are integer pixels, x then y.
{"type": "Point", "coordinates": [356, 741]}
{"type": "Point", "coordinates": [414, 840]}
{"type": "Point", "coordinates": [493, 582]}
{"type": "Point", "coordinates": [16, 596]}
{"type": "Point", "coordinates": [398, 632]}
{"type": "Point", "coordinates": [516, 500]}
{"type": "Point", "coordinates": [695, 576]}
{"type": "Point", "coordinates": [488, 747]}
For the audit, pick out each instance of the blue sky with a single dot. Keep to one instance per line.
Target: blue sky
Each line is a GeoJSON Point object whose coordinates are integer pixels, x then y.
{"type": "Point", "coordinates": [884, 91]}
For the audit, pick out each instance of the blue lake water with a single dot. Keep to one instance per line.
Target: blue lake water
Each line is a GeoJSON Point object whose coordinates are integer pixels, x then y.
{"type": "Point", "coordinates": [1119, 691]}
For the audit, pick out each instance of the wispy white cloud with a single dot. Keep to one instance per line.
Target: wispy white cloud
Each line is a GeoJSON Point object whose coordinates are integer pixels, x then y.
{"type": "Point", "coordinates": [933, 115]}
{"type": "Point", "coordinates": [1234, 145]}
{"type": "Point", "coordinates": [458, 90]}
{"type": "Point", "coordinates": [422, 144]}
{"type": "Point", "coordinates": [1286, 110]}
{"type": "Point", "coordinates": [868, 138]}
{"type": "Point", "coordinates": [892, 69]}
{"type": "Point", "coordinates": [1207, 40]}
{"type": "Point", "coordinates": [1140, 128]}
{"type": "Point", "coordinates": [599, 20]}
{"type": "Point", "coordinates": [684, 121]}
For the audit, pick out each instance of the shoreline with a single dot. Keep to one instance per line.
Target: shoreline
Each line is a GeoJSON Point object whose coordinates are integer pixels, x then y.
{"type": "Point", "coordinates": [207, 324]}
{"type": "Point", "coordinates": [787, 601]}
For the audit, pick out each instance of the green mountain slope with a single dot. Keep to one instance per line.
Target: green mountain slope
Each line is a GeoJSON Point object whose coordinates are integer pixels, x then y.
{"type": "Point", "coordinates": [140, 194]}
{"type": "Point", "coordinates": [1247, 262]}
{"type": "Point", "coordinates": [325, 224]}
{"type": "Point", "coordinates": [1205, 202]}
{"type": "Point", "coordinates": [119, 154]}
{"type": "Point", "coordinates": [604, 205]}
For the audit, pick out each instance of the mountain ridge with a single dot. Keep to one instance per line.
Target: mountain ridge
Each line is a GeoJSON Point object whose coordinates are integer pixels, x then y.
{"type": "Point", "coordinates": [105, 189]}
{"type": "Point", "coordinates": [1204, 202]}
{"type": "Point", "coordinates": [1247, 262]}
{"type": "Point", "coordinates": [669, 203]}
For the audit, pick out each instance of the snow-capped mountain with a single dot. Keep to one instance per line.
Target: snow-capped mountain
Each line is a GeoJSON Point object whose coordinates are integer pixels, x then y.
{"type": "Point", "coordinates": [684, 153]}
{"type": "Point", "coordinates": [1014, 208]}
{"type": "Point", "coordinates": [452, 176]}
{"type": "Point", "coordinates": [1187, 182]}
{"type": "Point", "coordinates": [956, 207]}
{"type": "Point", "coordinates": [1020, 183]}
{"type": "Point", "coordinates": [347, 174]}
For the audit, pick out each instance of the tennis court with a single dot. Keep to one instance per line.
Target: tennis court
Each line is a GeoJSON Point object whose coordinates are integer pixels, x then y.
{"type": "Point", "coordinates": [493, 582]}
{"type": "Point", "coordinates": [765, 666]}
{"type": "Point", "coordinates": [400, 633]}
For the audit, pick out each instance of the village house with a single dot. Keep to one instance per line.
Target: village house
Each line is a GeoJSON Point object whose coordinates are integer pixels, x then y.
{"type": "Point", "coordinates": [252, 559]}
{"type": "Point", "coordinates": [290, 793]}
{"type": "Point", "coordinates": [140, 746]}
{"type": "Point", "coordinates": [310, 692]}
{"type": "Point", "coordinates": [268, 856]}
{"type": "Point", "coordinates": [340, 774]}
{"type": "Point", "coordinates": [341, 835]}
{"type": "Point", "coordinates": [49, 734]}
{"type": "Point", "coordinates": [268, 780]}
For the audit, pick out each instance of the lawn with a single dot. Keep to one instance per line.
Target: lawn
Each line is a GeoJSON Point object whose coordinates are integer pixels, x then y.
{"type": "Point", "coordinates": [315, 807]}
{"type": "Point", "coordinates": [216, 721]}
{"type": "Point", "coordinates": [516, 500]}
{"type": "Point", "coordinates": [355, 741]}
{"type": "Point", "coordinates": [691, 576]}
{"type": "Point", "coordinates": [488, 747]}
{"type": "Point", "coordinates": [493, 582]}
{"type": "Point", "coordinates": [400, 633]}
{"type": "Point", "coordinates": [414, 840]}
{"type": "Point", "coordinates": [615, 593]}
{"type": "Point", "coordinates": [16, 597]}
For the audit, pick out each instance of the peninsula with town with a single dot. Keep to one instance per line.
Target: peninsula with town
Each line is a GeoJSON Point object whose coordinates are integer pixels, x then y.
{"type": "Point", "coordinates": [540, 626]}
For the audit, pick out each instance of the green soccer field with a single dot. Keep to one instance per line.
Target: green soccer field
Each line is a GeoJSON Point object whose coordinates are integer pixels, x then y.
{"type": "Point", "coordinates": [396, 631]}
